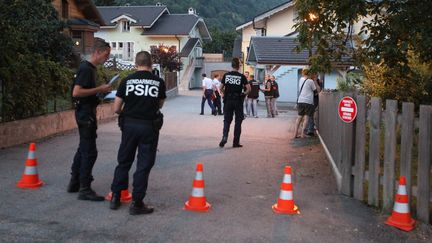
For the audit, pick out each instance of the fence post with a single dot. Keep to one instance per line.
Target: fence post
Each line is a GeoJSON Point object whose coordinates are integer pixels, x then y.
{"type": "Point", "coordinates": [347, 140]}
{"type": "Point", "coordinates": [374, 151]}
{"type": "Point", "coordinates": [407, 143]}
{"type": "Point", "coordinates": [360, 141]}
{"type": "Point", "coordinates": [389, 154]}
{"type": "Point", "coordinates": [424, 160]}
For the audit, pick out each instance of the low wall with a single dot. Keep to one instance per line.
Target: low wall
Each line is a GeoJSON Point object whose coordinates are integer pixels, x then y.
{"type": "Point", "coordinates": [32, 129]}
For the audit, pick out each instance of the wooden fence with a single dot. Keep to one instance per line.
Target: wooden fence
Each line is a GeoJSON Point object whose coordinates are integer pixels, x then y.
{"type": "Point", "coordinates": [170, 80]}
{"type": "Point", "coordinates": [371, 153]}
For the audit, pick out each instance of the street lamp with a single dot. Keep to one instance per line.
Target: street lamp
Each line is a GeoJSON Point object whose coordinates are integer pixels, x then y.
{"type": "Point", "coordinates": [312, 17]}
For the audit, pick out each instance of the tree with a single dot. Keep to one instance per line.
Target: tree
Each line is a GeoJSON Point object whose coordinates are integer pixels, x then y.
{"type": "Point", "coordinates": [222, 42]}
{"type": "Point", "coordinates": [395, 43]}
{"type": "Point", "coordinates": [395, 27]}
{"type": "Point", "coordinates": [167, 57]}
{"type": "Point", "coordinates": [33, 55]}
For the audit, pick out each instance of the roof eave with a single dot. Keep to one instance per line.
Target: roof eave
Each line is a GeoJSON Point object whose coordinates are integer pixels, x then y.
{"type": "Point", "coordinates": [165, 35]}
{"type": "Point", "coordinates": [243, 25]}
{"type": "Point", "coordinates": [157, 18]}
{"type": "Point", "coordinates": [200, 20]}
{"type": "Point", "coordinates": [274, 11]}
{"type": "Point", "coordinates": [83, 4]}
{"type": "Point", "coordinates": [123, 16]}
{"type": "Point", "coordinates": [266, 14]}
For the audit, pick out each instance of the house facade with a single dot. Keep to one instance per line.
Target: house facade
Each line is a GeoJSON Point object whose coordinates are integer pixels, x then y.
{"type": "Point", "coordinates": [83, 20]}
{"type": "Point", "coordinates": [130, 29]}
{"type": "Point", "coordinates": [266, 47]}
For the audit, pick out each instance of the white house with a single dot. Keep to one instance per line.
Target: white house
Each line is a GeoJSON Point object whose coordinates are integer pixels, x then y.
{"type": "Point", "coordinates": [266, 46]}
{"type": "Point", "coordinates": [130, 29]}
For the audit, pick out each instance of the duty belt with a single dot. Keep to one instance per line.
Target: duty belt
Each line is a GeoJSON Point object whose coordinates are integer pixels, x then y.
{"type": "Point", "coordinates": [137, 120]}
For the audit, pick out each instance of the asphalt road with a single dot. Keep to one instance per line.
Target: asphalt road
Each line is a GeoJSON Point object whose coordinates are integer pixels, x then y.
{"type": "Point", "coordinates": [242, 184]}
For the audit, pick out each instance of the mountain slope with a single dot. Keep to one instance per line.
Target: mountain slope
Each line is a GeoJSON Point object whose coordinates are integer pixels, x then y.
{"type": "Point", "coordinates": [224, 15]}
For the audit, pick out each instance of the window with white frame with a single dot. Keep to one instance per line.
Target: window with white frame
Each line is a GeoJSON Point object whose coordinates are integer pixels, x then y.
{"type": "Point", "coordinates": [113, 45]}
{"type": "Point", "coordinates": [120, 45]}
{"type": "Point", "coordinates": [126, 26]}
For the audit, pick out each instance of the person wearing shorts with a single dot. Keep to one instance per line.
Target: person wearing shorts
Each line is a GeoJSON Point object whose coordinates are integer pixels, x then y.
{"type": "Point", "coordinates": [305, 103]}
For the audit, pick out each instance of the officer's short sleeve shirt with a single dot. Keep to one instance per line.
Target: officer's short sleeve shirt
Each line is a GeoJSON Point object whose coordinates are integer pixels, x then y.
{"type": "Point", "coordinates": [141, 93]}
{"type": "Point", "coordinates": [234, 82]}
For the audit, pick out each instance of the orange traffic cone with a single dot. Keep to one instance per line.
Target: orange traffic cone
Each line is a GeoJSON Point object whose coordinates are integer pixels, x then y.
{"type": "Point", "coordinates": [401, 217]}
{"type": "Point", "coordinates": [125, 196]}
{"type": "Point", "coordinates": [197, 200]}
{"type": "Point", "coordinates": [30, 178]}
{"type": "Point", "coordinates": [285, 203]}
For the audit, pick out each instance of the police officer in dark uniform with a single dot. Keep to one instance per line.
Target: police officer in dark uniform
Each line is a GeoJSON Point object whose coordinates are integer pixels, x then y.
{"type": "Point", "coordinates": [232, 85]}
{"type": "Point", "coordinates": [138, 100]}
{"type": "Point", "coordinates": [85, 98]}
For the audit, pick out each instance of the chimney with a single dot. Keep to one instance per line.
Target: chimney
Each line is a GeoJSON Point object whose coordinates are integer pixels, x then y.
{"type": "Point", "coordinates": [191, 11]}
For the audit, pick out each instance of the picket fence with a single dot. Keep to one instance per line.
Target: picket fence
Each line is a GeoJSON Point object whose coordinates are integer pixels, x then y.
{"type": "Point", "coordinates": [369, 154]}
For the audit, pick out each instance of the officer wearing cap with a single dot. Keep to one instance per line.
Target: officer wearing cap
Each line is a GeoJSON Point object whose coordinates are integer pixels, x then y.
{"type": "Point", "coordinates": [232, 85]}
{"type": "Point", "coordinates": [138, 100]}
{"type": "Point", "coordinates": [84, 94]}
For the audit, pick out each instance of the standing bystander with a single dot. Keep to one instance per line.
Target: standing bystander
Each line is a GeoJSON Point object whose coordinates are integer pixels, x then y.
{"type": "Point", "coordinates": [305, 107]}
{"type": "Point", "coordinates": [268, 95]}
{"type": "Point", "coordinates": [207, 86]}
{"type": "Point", "coordinates": [252, 97]}
{"type": "Point", "coordinates": [217, 101]}
{"type": "Point", "coordinates": [275, 88]}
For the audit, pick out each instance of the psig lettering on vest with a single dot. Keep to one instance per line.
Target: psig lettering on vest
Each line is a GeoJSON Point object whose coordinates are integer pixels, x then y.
{"type": "Point", "coordinates": [142, 90]}
{"type": "Point", "coordinates": [230, 79]}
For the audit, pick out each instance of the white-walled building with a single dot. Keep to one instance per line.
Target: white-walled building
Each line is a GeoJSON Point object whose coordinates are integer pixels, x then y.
{"type": "Point", "coordinates": [130, 29]}
{"type": "Point", "coordinates": [266, 47]}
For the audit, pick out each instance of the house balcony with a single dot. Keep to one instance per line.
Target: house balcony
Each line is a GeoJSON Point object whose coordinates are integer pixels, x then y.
{"type": "Point", "coordinates": [198, 62]}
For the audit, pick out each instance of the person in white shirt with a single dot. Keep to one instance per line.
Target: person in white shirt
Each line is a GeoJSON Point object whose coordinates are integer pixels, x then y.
{"type": "Point", "coordinates": [216, 86]}
{"type": "Point", "coordinates": [305, 103]}
{"type": "Point", "coordinates": [207, 85]}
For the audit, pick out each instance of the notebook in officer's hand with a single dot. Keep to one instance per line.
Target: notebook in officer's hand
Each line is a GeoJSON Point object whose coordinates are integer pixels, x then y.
{"type": "Point", "coordinates": [113, 79]}
{"type": "Point", "coordinates": [109, 95]}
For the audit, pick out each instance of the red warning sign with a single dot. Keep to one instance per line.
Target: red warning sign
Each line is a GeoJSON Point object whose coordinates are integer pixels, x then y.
{"type": "Point", "coordinates": [347, 109]}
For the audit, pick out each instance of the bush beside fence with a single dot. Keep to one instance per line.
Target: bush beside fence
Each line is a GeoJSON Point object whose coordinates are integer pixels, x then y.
{"type": "Point", "coordinates": [379, 146]}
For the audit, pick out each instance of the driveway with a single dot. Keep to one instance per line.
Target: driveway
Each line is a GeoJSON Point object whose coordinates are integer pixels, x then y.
{"type": "Point", "coordinates": [242, 184]}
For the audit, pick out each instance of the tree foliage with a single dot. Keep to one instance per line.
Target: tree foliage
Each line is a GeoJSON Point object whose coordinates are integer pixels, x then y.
{"type": "Point", "coordinates": [395, 47]}
{"type": "Point", "coordinates": [223, 42]}
{"type": "Point", "coordinates": [33, 54]}
{"type": "Point", "coordinates": [392, 83]}
{"type": "Point", "coordinates": [323, 25]}
{"type": "Point", "coordinates": [392, 29]}
{"type": "Point", "coordinates": [167, 57]}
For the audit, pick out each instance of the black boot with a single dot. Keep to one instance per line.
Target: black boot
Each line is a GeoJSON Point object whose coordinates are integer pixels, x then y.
{"type": "Point", "coordinates": [74, 184]}
{"type": "Point", "coordinates": [115, 200]}
{"type": "Point", "coordinates": [237, 145]}
{"type": "Point", "coordinates": [138, 207]}
{"type": "Point", "coordinates": [86, 193]}
{"type": "Point", "coordinates": [223, 142]}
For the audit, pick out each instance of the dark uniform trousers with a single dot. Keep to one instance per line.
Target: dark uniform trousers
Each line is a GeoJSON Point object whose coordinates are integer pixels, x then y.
{"type": "Point", "coordinates": [231, 107]}
{"type": "Point", "coordinates": [141, 135]}
{"type": "Point", "coordinates": [86, 154]}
